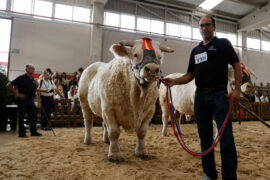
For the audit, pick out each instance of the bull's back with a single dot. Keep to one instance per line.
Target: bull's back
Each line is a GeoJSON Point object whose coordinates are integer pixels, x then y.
{"type": "Point", "coordinates": [182, 95]}
{"type": "Point", "coordinates": [87, 76]}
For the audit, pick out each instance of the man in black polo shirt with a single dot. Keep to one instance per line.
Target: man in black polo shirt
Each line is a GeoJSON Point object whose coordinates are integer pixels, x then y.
{"type": "Point", "coordinates": [209, 65]}
{"type": "Point", "coordinates": [27, 87]}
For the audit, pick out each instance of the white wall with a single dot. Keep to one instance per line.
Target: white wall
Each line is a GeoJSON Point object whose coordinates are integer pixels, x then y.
{"type": "Point", "coordinates": [259, 63]}
{"type": "Point", "coordinates": [60, 46]}
{"type": "Point", "coordinates": [65, 47]}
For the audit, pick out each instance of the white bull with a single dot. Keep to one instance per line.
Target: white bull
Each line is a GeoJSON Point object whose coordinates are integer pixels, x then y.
{"type": "Point", "coordinates": [122, 92]}
{"type": "Point", "coordinates": [183, 98]}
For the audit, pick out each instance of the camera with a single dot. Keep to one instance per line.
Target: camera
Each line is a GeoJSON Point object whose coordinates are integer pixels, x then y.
{"type": "Point", "coordinates": [51, 91]}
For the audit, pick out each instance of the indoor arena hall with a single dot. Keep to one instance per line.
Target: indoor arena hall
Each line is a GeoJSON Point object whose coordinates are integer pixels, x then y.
{"type": "Point", "coordinates": [135, 89]}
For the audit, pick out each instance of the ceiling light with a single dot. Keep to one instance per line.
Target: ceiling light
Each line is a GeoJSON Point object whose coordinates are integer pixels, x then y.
{"type": "Point", "coordinates": [209, 4]}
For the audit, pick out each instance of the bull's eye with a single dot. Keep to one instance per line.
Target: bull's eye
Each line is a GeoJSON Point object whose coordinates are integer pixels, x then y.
{"type": "Point", "coordinates": [159, 57]}
{"type": "Point", "coordinates": [157, 70]}
{"type": "Point", "coordinates": [147, 69]}
{"type": "Point", "coordinates": [135, 55]}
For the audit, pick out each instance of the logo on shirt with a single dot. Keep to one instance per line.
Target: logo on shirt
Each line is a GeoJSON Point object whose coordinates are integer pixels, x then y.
{"type": "Point", "coordinates": [211, 48]}
{"type": "Point", "coordinates": [199, 58]}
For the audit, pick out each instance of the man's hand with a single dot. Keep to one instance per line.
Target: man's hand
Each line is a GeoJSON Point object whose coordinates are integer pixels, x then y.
{"type": "Point", "coordinates": [236, 95]}
{"type": "Point", "coordinates": [169, 81]}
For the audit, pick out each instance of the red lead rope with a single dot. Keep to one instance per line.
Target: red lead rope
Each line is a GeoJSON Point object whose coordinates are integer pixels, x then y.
{"type": "Point", "coordinates": [182, 143]}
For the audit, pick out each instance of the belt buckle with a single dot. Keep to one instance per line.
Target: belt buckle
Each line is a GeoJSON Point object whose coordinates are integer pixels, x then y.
{"type": "Point", "coordinates": [208, 90]}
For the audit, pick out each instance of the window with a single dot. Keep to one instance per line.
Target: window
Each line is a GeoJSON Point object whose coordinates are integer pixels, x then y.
{"type": "Point", "coordinates": [221, 35]}
{"type": "Point", "coordinates": [63, 11]}
{"type": "Point", "coordinates": [157, 26]}
{"type": "Point", "coordinates": [5, 29]}
{"type": "Point", "coordinates": [127, 21]}
{"type": "Point", "coordinates": [233, 39]}
{"type": "Point", "coordinates": [196, 34]}
{"type": "Point", "coordinates": [3, 4]}
{"type": "Point", "coordinates": [185, 31]}
{"type": "Point", "coordinates": [253, 43]}
{"type": "Point", "coordinates": [112, 19]}
{"type": "Point", "coordinates": [143, 24]}
{"type": "Point", "coordinates": [22, 6]}
{"type": "Point", "coordinates": [81, 14]}
{"type": "Point", "coordinates": [43, 8]}
{"type": "Point", "coordinates": [266, 45]}
{"type": "Point", "coordinates": [172, 29]}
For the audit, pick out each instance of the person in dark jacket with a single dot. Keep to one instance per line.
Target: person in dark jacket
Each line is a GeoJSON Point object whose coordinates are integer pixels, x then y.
{"type": "Point", "coordinates": [24, 89]}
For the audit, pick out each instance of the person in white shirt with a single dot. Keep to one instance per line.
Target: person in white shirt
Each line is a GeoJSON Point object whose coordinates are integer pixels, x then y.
{"type": "Point", "coordinates": [46, 88]}
{"type": "Point", "coordinates": [264, 98]}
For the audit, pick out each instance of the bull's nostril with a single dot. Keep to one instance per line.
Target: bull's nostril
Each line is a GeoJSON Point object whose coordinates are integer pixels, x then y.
{"type": "Point", "coordinates": [157, 70]}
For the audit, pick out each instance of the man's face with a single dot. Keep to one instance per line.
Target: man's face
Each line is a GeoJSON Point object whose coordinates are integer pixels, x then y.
{"type": "Point", "coordinates": [47, 75]}
{"type": "Point", "coordinates": [206, 27]}
{"type": "Point", "coordinates": [30, 69]}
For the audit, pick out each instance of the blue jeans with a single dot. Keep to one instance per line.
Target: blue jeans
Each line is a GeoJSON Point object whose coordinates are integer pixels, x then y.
{"type": "Point", "coordinates": [27, 105]}
{"type": "Point", "coordinates": [207, 105]}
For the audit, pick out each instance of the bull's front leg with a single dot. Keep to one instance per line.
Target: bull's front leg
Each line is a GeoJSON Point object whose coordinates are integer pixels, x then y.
{"type": "Point", "coordinates": [114, 150]}
{"type": "Point", "coordinates": [113, 129]}
{"type": "Point", "coordinates": [141, 150]}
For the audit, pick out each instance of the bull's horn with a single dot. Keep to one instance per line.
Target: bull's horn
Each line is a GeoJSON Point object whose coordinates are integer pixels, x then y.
{"type": "Point", "coordinates": [166, 49]}
{"type": "Point", "coordinates": [127, 43]}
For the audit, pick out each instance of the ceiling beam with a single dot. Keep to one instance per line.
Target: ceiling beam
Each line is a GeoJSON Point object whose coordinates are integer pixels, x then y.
{"type": "Point", "coordinates": [255, 20]}
{"type": "Point", "coordinates": [249, 3]}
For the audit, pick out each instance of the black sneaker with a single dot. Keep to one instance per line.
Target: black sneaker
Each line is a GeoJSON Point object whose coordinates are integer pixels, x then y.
{"type": "Point", "coordinates": [22, 135]}
{"type": "Point", "coordinates": [36, 134]}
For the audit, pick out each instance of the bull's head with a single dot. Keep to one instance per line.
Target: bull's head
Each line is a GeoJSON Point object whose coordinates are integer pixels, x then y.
{"type": "Point", "coordinates": [146, 57]}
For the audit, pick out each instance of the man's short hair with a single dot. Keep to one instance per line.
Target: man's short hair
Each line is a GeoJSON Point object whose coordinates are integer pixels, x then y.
{"type": "Point", "coordinates": [28, 65]}
{"type": "Point", "coordinates": [212, 19]}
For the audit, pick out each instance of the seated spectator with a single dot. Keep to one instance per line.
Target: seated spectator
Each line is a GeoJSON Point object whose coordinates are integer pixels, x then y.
{"type": "Point", "coordinates": [256, 97]}
{"type": "Point", "coordinates": [73, 81]}
{"type": "Point", "coordinates": [80, 73]}
{"type": "Point", "coordinates": [264, 98]}
{"type": "Point", "coordinates": [59, 87]}
{"type": "Point", "coordinates": [64, 82]}
{"type": "Point", "coordinates": [56, 76]}
{"type": "Point", "coordinates": [73, 95]}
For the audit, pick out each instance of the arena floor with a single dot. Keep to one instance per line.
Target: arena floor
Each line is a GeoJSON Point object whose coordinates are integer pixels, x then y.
{"type": "Point", "coordinates": [66, 157]}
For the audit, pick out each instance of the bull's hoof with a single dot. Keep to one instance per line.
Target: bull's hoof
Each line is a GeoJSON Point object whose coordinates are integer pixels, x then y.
{"type": "Point", "coordinates": [106, 142]}
{"type": "Point", "coordinates": [144, 157]}
{"type": "Point", "coordinates": [115, 159]}
{"type": "Point", "coordinates": [141, 153]}
{"type": "Point", "coordinates": [165, 133]}
{"type": "Point", "coordinates": [87, 141]}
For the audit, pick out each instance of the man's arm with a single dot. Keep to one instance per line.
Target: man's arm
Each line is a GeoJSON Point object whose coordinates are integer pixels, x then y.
{"type": "Point", "coordinates": [238, 81]}
{"type": "Point", "coordinates": [186, 78]}
{"type": "Point", "coordinates": [13, 90]}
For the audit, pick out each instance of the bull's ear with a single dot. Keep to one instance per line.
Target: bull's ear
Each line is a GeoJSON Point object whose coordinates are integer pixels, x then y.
{"type": "Point", "coordinates": [166, 49]}
{"type": "Point", "coordinates": [119, 50]}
